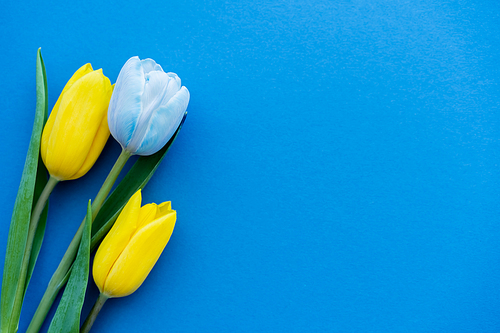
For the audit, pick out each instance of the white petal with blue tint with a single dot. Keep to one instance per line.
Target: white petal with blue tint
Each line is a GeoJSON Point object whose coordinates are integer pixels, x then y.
{"type": "Point", "coordinates": [150, 65]}
{"type": "Point", "coordinates": [164, 123]}
{"type": "Point", "coordinates": [159, 86]}
{"type": "Point", "coordinates": [125, 106]}
{"type": "Point", "coordinates": [174, 84]}
{"type": "Point", "coordinates": [147, 106]}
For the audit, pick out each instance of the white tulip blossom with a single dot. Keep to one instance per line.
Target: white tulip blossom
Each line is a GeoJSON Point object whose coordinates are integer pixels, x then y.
{"type": "Point", "coordinates": [146, 107]}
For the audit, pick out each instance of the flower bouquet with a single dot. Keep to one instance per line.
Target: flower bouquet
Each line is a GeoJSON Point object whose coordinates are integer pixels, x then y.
{"type": "Point", "coordinates": [144, 111]}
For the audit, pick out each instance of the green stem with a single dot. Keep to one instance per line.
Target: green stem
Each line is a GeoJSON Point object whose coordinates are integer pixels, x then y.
{"type": "Point", "coordinates": [59, 277]}
{"type": "Point", "coordinates": [87, 325]}
{"type": "Point", "coordinates": [21, 283]}
{"type": "Point", "coordinates": [108, 184]}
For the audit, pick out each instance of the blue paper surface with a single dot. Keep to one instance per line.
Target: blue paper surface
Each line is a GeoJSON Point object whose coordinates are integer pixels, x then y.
{"type": "Point", "coordinates": [337, 171]}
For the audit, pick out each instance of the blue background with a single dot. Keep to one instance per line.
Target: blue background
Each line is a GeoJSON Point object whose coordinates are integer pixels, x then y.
{"type": "Point", "coordinates": [337, 172]}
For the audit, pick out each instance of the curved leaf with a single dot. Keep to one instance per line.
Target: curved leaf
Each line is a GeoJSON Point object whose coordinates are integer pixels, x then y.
{"type": "Point", "coordinates": [41, 180]}
{"type": "Point", "coordinates": [67, 316]}
{"type": "Point", "coordinates": [21, 214]}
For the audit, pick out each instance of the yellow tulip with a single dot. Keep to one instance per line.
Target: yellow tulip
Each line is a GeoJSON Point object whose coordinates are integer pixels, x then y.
{"type": "Point", "coordinates": [132, 247]}
{"type": "Point", "coordinates": [77, 128]}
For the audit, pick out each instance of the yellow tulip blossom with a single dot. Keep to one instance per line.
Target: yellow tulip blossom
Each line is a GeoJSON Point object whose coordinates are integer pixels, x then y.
{"type": "Point", "coordinates": [77, 128]}
{"type": "Point", "coordinates": [132, 247]}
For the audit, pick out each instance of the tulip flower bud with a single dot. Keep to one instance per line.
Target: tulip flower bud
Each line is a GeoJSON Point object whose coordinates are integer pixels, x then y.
{"type": "Point", "coordinates": [77, 128]}
{"type": "Point", "coordinates": [132, 247]}
{"type": "Point", "coordinates": [146, 107]}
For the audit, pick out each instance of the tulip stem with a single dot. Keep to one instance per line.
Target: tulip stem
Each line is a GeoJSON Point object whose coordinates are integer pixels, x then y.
{"type": "Point", "coordinates": [21, 283]}
{"type": "Point", "coordinates": [59, 278]}
{"type": "Point", "coordinates": [87, 325]}
{"type": "Point", "coordinates": [108, 184]}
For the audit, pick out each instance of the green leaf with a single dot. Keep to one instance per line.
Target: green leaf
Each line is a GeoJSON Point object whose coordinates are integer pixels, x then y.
{"type": "Point", "coordinates": [21, 214]}
{"type": "Point", "coordinates": [41, 181]}
{"type": "Point", "coordinates": [67, 316]}
{"type": "Point", "coordinates": [138, 176]}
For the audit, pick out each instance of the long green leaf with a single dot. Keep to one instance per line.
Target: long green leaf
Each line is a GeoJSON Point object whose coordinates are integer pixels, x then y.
{"type": "Point", "coordinates": [21, 215]}
{"type": "Point", "coordinates": [138, 176]}
{"type": "Point", "coordinates": [41, 181]}
{"type": "Point", "coordinates": [67, 316]}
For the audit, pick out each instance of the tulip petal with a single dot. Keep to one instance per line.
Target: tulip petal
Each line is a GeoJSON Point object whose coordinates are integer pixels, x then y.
{"type": "Point", "coordinates": [163, 123]}
{"type": "Point", "coordinates": [174, 85]}
{"type": "Point", "coordinates": [47, 130]}
{"type": "Point", "coordinates": [138, 258]}
{"type": "Point", "coordinates": [81, 110]}
{"type": "Point", "coordinates": [150, 65]}
{"type": "Point", "coordinates": [116, 240]}
{"type": "Point", "coordinates": [125, 105]}
{"type": "Point", "coordinates": [159, 88]}
{"type": "Point", "coordinates": [163, 209]}
{"type": "Point", "coordinates": [97, 146]}
{"type": "Point", "coordinates": [147, 214]}
{"type": "Point", "coordinates": [80, 72]}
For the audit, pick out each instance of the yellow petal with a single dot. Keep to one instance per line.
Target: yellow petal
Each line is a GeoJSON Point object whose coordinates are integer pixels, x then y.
{"type": "Point", "coordinates": [138, 258]}
{"type": "Point", "coordinates": [116, 240]}
{"type": "Point", "coordinates": [80, 114]}
{"type": "Point", "coordinates": [147, 214]}
{"type": "Point", "coordinates": [101, 137]}
{"type": "Point", "coordinates": [164, 208]}
{"type": "Point", "coordinates": [81, 72]}
{"type": "Point", "coordinates": [47, 130]}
